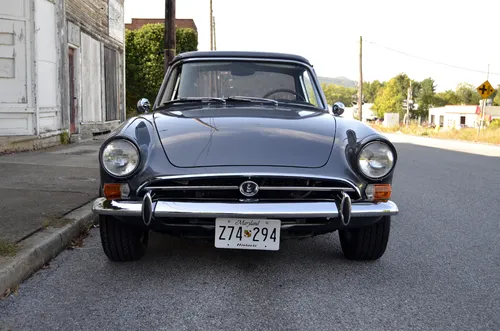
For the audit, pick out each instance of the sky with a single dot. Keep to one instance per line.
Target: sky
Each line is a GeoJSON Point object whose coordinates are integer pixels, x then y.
{"type": "Point", "coordinates": [458, 33]}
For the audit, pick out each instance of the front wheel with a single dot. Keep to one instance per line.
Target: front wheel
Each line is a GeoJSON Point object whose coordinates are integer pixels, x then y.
{"type": "Point", "coordinates": [122, 242]}
{"type": "Point", "coordinates": [366, 243]}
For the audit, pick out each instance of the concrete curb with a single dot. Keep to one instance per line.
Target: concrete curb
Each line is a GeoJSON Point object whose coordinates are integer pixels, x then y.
{"type": "Point", "coordinates": [42, 247]}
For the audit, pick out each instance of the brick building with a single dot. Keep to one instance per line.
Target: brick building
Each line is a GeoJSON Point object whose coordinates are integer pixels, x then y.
{"type": "Point", "coordinates": [180, 23]}
{"type": "Point", "coordinates": [61, 70]}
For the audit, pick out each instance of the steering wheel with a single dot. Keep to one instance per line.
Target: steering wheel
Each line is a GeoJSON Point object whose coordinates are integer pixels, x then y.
{"type": "Point", "coordinates": [286, 91]}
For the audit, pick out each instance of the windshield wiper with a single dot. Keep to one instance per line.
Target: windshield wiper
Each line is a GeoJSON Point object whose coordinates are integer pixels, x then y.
{"type": "Point", "coordinates": [300, 104]}
{"type": "Point", "coordinates": [194, 99]}
{"type": "Point", "coordinates": [252, 99]}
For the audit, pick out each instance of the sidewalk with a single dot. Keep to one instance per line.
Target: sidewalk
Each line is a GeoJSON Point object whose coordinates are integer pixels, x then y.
{"type": "Point", "coordinates": [37, 190]}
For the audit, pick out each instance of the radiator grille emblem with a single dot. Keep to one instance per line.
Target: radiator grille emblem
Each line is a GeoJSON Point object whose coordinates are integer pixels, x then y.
{"type": "Point", "coordinates": [249, 188]}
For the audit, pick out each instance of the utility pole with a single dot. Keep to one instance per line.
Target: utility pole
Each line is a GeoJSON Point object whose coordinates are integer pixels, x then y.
{"type": "Point", "coordinates": [211, 27]}
{"type": "Point", "coordinates": [409, 97]}
{"type": "Point", "coordinates": [170, 40]}
{"type": "Point", "coordinates": [360, 87]}
{"type": "Point", "coordinates": [215, 34]}
{"type": "Point", "coordinates": [481, 122]}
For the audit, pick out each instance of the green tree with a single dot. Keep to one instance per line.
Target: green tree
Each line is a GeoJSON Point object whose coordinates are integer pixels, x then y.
{"type": "Point", "coordinates": [426, 97]}
{"type": "Point", "coordinates": [447, 97]}
{"type": "Point", "coordinates": [334, 93]}
{"type": "Point", "coordinates": [402, 83]}
{"type": "Point", "coordinates": [371, 89]}
{"type": "Point", "coordinates": [389, 99]}
{"type": "Point", "coordinates": [467, 94]}
{"type": "Point", "coordinates": [496, 97]}
{"type": "Point", "coordinates": [144, 59]}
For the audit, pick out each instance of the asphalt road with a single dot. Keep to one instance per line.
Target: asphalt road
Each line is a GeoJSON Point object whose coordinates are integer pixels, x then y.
{"type": "Point", "coordinates": [441, 271]}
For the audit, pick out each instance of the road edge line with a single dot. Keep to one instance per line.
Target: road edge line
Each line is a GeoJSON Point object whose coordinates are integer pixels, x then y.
{"type": "Point", "coordinates": [40, 248]}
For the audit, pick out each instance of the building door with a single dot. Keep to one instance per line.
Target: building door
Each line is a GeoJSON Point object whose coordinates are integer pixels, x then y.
{"type": "Point", "coordinates": [72, 96]}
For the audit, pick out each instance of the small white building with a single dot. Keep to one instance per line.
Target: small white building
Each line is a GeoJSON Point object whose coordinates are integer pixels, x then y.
{"type": "Point", "coordinates": [368, 114]}
{"type": "Point", "coordinates": [455, 116]}
{"type": "Point", "coordinates": [492, 113]}
{"type": "Point", "coordinates": [61, 69]}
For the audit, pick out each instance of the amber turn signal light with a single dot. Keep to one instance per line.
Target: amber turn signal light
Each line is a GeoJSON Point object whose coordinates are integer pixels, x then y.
{"type": "Point", "coordinates": [112, 191]}
{"type": "Point", "coordinates": [378, 192]}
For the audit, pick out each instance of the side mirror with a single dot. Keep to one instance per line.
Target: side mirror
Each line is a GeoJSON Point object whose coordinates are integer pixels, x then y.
{"type": "Point", "coordinates": [338, 108]}
{"type": "Point", "coordinates": [143, 105]}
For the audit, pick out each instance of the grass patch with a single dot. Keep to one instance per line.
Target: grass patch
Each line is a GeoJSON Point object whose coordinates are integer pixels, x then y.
{"type": "Point", "coordinates": [55, 223]}
{"type": "Point", "coordinates": [384, 129]}
{"type": "Point", "coordinates": [7, 248]}
{"type": "Point", "coordinates": [489, 135]}
{"type": "Point", "coordinates": [65, 138]}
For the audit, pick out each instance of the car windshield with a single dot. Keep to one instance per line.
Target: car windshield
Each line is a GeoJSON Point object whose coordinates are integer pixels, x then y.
{"type": "Point", "coordinates": [242, 81]}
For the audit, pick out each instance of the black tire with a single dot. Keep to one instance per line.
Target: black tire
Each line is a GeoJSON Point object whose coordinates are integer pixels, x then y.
{"type": "Point", "coordinates": [366, 243]}
{"type": "Point", "coordinates": [122, 242]}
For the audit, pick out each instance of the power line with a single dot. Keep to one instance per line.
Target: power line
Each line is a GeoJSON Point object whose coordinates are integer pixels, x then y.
{"type": "Point", "coordinates": [429, 60]}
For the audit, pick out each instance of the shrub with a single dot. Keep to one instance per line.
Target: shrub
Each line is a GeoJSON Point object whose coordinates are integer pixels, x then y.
{"type": "Point", "coordinates": [495, 124]}
{"type": "Point", "coordinates": [144, 60]}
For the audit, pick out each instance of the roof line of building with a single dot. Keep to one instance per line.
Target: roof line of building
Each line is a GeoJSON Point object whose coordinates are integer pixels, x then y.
{"type": "Point", "coordinates": [180, 23]}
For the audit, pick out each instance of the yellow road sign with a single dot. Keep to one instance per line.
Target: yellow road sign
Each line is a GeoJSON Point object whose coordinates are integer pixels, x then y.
{"type": "Point", "coordinates": [485, 89]}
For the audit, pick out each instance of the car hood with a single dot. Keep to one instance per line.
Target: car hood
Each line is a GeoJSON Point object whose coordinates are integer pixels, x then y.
{"type": "Point", "coordinates": [245, 136]}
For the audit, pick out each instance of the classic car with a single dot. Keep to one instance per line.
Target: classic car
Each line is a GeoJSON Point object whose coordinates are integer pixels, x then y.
{"type": "Point", "coordinates": [242, 149]}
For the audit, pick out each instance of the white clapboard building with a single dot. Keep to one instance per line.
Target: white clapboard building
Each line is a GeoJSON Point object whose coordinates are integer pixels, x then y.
{"type": "Point", "coordinates": [61, 69]}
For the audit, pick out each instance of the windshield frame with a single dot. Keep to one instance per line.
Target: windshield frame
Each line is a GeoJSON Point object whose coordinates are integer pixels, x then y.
{"type": "Point", "coordinates": [321, 99]}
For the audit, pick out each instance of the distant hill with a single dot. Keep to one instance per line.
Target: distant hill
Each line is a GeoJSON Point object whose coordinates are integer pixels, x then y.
{"type": "Point", "coordinates": [343, 81]}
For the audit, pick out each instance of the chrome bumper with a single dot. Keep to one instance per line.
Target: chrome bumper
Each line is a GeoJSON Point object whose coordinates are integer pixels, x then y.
{"type": "Point", "coordinates": [159, 209]}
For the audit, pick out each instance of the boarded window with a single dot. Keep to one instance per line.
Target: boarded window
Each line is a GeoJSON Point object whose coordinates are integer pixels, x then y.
{"type": "Point", "coordinates": [13, 73]}
{"type": "Point", "coordinates": [91, 79]}
{"type": "Point", "coordinates": [111, 84]}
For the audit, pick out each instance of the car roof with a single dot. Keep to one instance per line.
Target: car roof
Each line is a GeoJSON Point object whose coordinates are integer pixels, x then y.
{"type": "Point", "coordinates": [240, 54]}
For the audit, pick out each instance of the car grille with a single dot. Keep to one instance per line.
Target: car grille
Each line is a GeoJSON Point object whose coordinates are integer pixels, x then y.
{"type": "Point", "coordinates": [227, 189]}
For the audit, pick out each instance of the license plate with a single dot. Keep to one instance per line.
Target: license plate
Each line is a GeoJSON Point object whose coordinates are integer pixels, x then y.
{"type": "Point", "coordinates": [254, 234]}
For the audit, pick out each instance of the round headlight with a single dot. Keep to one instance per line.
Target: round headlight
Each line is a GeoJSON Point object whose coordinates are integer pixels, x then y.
{"type": "Point", "coordinates": [376, 160]}
{"type": "Point", "coordinates": [120, 157]}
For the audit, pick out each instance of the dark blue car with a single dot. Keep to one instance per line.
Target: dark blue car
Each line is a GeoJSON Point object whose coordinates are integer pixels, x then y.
{"type": "Point", "coordinates": [241, 148]}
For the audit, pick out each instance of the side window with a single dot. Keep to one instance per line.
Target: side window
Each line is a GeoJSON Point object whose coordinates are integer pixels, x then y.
{"type": "Point", "coordinates": [172, 86]}
{"type": "Point", "coordinates": [309, 89]}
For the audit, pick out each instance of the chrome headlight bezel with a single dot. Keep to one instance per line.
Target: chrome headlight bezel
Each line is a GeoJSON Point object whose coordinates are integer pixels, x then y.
{"type": "Point", "coordinates": [133, 149]}
{"type": "Point", "coordinates": [392, 156]}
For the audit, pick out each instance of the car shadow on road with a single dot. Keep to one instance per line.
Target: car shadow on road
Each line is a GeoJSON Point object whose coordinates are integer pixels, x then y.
{"type": "Point", "coordinates": [162, 247]}
{"type": "Point", "coordinates": [172, 257]}
{"type": "Point", "coordinates": [188, 262]}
